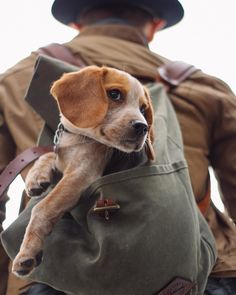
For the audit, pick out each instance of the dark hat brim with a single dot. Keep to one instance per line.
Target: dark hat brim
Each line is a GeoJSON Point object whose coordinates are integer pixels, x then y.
{"type": "Point", "coordinates": [68, 11]}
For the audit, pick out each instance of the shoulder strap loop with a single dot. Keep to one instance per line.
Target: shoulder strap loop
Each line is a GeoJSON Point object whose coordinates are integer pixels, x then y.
{"type": "Point", "coordinates": [174, 73]}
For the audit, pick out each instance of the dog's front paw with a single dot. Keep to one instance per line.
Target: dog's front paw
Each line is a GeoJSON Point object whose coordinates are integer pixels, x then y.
{"type": "Point", "coordinates": [36, 188]}
{"type": "Point", "coordinates": [40, 175]}
{"type": "Point", "coordinates": [24, 264]}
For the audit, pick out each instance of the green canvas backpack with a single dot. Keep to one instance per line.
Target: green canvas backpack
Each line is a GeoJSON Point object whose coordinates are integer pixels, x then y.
{"type": "Point", "coordinates": [158, 242]}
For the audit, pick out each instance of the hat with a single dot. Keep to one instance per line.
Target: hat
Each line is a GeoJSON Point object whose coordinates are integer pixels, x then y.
{"type": "Point", "coordinates": [67, 11]}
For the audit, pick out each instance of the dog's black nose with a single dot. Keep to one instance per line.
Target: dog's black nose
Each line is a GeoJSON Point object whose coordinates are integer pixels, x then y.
{"type": "Point", "coordinates": [139, 127]}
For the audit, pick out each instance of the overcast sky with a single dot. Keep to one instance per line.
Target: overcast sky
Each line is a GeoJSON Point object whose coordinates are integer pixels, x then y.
{"type": "Point", "coordinates": [205, 38]}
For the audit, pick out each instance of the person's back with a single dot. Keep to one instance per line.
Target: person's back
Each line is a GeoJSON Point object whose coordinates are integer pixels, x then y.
{"type": "Point", "coordinates": [120, 45]}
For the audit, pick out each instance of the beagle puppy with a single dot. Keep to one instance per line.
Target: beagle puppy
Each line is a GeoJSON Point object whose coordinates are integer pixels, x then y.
{"type": "Point", "coordinates": [101, 109]}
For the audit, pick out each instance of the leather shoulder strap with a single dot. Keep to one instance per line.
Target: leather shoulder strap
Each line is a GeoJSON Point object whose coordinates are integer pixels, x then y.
{"type": "Point", "coordinates": [174, 73]}
{"type": "Point", "coordinates": [19, 163]}
{"type": "Point", "coordinates": [61, 52]}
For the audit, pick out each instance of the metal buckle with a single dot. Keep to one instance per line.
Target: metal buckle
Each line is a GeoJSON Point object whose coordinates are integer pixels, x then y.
{"type": "Point", "coordinates": [105, 208]}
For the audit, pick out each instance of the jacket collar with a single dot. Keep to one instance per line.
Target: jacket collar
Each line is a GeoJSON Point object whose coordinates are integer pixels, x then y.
{"type": "Point", "coordinates": [120, 31]}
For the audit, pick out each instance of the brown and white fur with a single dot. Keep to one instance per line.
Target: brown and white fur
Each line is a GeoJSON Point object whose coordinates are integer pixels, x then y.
{"type": "Point", "coordinates": [102, 108]}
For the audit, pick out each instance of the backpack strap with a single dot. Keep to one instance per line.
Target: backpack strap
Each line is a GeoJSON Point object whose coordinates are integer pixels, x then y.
{"type": "Point", "coordinates": [19, 163]}
{"type": "Point", "coordinates": [61, 52]}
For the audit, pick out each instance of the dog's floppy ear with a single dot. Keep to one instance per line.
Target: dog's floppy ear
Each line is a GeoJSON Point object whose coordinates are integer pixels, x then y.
{"type": "Point", "coordinates": [81, 96]}
{"type": "Point", "coordinates": [149, 116]}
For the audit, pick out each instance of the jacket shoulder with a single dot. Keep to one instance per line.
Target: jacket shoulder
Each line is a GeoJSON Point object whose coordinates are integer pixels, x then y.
{"type": "Point", "coordinates": [20, 67]}
{"type": "Point", "coordinates": [201, 78]}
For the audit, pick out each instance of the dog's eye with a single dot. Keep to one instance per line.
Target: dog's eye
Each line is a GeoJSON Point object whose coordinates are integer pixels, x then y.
{"type": "Point", "coordinates": [142, 110]}
{"type": "Point", "coordinates": [114, 94]}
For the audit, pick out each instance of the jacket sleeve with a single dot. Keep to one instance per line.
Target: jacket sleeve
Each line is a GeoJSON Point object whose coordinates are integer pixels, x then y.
{"type": "Point", "coordinates": [223, 147]}
{"type": "Point", "coordinates": [7, 150]}
{"type": "Point", "coordinates": [19, 124]}
{"type": "Point", "coordinates": [212, 107]}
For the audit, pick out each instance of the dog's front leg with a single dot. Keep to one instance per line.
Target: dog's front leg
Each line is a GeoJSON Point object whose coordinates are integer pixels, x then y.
{"type": "Point", "coordinates": [46, 213]}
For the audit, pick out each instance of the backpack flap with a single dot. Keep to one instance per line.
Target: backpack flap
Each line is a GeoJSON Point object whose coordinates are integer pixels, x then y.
{"type": "Point", "coordinates": [47, 70]}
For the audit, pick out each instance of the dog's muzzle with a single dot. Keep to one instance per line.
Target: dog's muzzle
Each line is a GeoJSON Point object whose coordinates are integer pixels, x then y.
{"type": "Point", "coordinates": [136, 135]}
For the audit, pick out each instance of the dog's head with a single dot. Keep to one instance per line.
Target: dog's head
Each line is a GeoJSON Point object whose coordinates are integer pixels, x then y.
{"type": "Point", "coordinates": [107, 105]}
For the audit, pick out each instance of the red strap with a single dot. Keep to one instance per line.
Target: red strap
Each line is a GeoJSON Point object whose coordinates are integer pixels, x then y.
{"type": "Point", "coordinates": [19, 163]}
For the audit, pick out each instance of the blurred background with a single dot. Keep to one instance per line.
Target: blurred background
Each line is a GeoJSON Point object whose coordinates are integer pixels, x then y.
{"type": "Point", "coordinates": [205, 38]}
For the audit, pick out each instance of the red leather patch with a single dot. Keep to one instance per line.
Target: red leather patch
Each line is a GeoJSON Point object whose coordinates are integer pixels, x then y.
{"type": "Point", "coordinates": [178, 286]}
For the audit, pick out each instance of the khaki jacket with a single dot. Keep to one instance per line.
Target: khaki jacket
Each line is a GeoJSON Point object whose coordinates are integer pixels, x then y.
{"type": "Point", "coordinates": [205, 106]}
